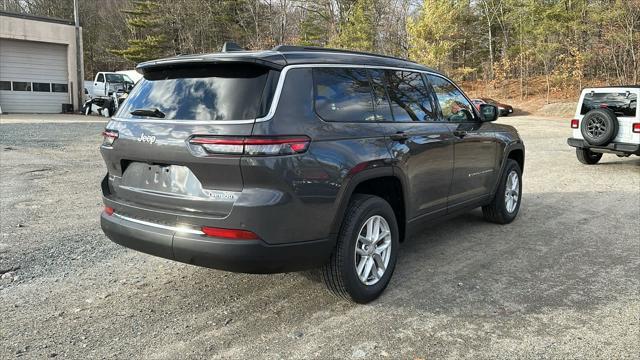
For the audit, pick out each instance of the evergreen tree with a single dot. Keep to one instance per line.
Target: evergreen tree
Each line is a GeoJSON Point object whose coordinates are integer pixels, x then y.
{"type": "Point", "coordinates": [148, 40]}
{"type": "Point", "coordinates": [314, 30]}
{"type": "Point", "coordinates": [433, 31]}
{"type": "Point", "coordinates": [358, 31]}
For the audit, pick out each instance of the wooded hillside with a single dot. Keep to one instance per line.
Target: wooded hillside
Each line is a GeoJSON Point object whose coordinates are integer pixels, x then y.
{"type": "Point", "coordinates": [565, 44]}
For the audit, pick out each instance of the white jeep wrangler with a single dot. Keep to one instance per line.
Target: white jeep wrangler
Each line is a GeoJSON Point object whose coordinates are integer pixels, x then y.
{"type": "Point", "coordinates": [607, 121]}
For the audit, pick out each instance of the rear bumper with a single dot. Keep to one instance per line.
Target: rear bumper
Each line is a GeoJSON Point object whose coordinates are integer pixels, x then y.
{"type": "Point", "coordinates": [248, 256]}
{"type": "Point", "coordinates": [610, 148]}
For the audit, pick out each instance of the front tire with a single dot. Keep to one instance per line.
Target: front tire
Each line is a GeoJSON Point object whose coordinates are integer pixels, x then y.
{"type": "Point", "coordinates": [365, 255]}
{"type": "Point", "coordinates": [505, 205]}
{"type": "Point", "coordinates": [587, 156]}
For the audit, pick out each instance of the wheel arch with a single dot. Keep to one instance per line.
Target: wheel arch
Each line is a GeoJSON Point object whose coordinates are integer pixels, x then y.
{"type": "Point", "coordinates": [514, 151]}
{"type": "Point", "coordinates": [516, 154]}
{"type": "Point", "coordinates": [379, 182]}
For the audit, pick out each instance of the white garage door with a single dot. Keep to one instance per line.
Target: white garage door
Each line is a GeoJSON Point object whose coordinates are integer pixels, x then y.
{"type": "Point", "coordinates": [33, 77]}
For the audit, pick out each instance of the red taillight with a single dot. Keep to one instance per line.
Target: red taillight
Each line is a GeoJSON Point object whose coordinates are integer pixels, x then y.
{"type": "Point", "coordinates": [109, 136]}
{"type": "Point", "coordinates": [575, 123]}
{"type": "Point", "coordinates": [217, 145]}
{"type": "Point", "coordinates": [635, 128]}
{"type": "Point", "coordinates": [229, 233]}
{"type": "Point", "coordinates": [108, 210]}
{"type": "Point", "coordinates": [252, 145]}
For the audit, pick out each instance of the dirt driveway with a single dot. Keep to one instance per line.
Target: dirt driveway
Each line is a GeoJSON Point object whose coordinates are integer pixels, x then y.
{"type": "Point", "coordinates": [562, 281]}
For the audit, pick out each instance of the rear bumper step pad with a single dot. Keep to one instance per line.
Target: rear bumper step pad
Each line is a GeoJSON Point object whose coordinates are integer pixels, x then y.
{"type": "Point", "coordinates": [611, 147]}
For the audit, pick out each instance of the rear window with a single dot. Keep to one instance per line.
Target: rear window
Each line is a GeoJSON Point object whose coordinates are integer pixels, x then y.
{"type": "Point", "coordinates": [206, 93]}
{"type": "Point", "coordinates": [118, 78]}
{"type": "Point", "coordinates": [623, 104]}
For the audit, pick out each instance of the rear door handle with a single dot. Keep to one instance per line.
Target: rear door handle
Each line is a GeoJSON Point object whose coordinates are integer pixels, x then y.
{"type": "Point", "coordinates": [399, 136]}
{"type": "Point", "coordinates": [460, 133]}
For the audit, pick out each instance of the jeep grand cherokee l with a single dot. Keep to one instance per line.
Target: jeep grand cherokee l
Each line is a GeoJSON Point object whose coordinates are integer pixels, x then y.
{"type": "Point", "coordinates": [300, 158]}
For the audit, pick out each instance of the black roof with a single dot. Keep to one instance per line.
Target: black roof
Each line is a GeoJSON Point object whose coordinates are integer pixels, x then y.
{"type": "Point", "coordinates": [284, 55]}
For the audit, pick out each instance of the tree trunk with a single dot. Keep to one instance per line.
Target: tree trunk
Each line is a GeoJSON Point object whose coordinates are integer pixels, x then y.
{"type": "Point", "coordinates": [546, 74]}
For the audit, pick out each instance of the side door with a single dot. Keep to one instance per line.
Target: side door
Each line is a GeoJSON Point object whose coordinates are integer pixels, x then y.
{"type": "Point", "coordinates": [420, 144]}
{"type": "Point", "coordinates": [475, 152]}
{"type": "Point", "coordinates": [99, 85]}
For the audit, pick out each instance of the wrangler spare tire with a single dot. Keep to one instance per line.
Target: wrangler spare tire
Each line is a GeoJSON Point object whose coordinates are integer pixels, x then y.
{"type": "Point", "coordinates": [599, 127]}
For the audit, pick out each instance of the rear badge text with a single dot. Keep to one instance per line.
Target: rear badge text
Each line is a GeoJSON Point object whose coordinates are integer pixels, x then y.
{"type": "Point", "coordinates": [147, 139]}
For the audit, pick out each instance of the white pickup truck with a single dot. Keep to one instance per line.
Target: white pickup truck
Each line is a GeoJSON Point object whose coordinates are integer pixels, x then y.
{"type": "Point", "coordinates": [105, 83]}
{"type": "Point", "coordinates": [107, 91]}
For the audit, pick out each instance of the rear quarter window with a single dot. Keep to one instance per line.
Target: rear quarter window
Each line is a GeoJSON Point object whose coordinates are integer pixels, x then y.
{"type": "Point", "coordinates": [622, 104]}
{"type": "Point", "coordinates": [205, 93]}
{"type": "Point", "coordinates": [343, 94]}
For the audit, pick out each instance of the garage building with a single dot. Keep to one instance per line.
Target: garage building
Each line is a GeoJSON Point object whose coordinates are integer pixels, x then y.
{"type": "Point", "coordinates": [38, 72]}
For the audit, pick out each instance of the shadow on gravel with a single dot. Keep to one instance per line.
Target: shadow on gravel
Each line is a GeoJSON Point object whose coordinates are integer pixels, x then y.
{"type": "Point", "coordinates": [630, 161]}
{"type": "Point", "coordinates": [560, 252]}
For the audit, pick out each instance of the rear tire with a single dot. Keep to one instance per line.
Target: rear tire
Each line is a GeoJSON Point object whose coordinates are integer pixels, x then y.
{"type": "Point", "coordinates": [505, 205]}
{"type": "Point", "coordinates": [587, 156]}
{"type": "Point", "coordinates": [356, 270]}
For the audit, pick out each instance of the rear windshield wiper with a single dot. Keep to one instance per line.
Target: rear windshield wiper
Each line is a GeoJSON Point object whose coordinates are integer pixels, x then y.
{"type": "Point", "coordinates": [155, 112]}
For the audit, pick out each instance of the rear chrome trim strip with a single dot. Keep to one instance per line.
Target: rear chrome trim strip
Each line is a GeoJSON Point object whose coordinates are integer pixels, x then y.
{"type": "Point", "coordinates": [178, 229]}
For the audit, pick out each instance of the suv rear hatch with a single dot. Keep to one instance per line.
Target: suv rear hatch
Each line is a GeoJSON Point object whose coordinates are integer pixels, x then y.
{"type": "Point", "coordinates": [152, 160]}
{"type": "Point", "coordinates": [623, 101]}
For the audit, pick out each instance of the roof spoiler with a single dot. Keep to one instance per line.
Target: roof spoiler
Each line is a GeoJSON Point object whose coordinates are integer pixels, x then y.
{"type": "Point", "coordinates": [229, 46]}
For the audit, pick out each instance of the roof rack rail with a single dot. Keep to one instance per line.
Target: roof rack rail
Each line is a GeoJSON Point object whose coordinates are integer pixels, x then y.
{"type": "Point", "coordinates": [292, 48]}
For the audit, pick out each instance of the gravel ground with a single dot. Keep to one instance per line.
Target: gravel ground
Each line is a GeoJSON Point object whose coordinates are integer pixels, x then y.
{"type": "Point", "coordinates": [562, 281]}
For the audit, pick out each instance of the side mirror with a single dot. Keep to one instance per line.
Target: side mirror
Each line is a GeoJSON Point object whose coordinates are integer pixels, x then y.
{"type": "Point", "coordinates": [488, 112]}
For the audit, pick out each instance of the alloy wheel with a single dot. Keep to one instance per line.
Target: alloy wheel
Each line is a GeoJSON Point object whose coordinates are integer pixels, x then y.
{"type": "Point", "coordinates": [373, 250]}
{"type": "Point", "coordinates": [596, 127]}
{"type": "Point", "coordinates": [512, 191]}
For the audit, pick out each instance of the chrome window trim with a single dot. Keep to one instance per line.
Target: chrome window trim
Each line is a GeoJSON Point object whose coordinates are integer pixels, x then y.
{"type": "Point", "coordinates": [278, 92]}
{"type": "Point", "coordinates": [160, 226]}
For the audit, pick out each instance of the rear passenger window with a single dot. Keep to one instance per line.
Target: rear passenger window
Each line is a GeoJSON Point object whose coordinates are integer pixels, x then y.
{"type": "Point", "coordinates": [380, 95]}
{"type": "Point", "coordinates": [409, 97]}
{"type": "Point", "coordinates": [343, 94]}
{"type": "Point", "coordinates": [452, 102]}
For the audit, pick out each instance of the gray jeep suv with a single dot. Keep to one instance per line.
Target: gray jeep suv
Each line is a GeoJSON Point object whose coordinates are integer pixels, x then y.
{"type": "Point", "coordinates": [300, 158]}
